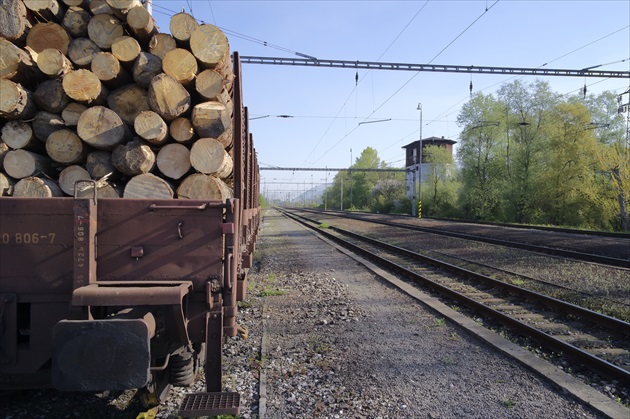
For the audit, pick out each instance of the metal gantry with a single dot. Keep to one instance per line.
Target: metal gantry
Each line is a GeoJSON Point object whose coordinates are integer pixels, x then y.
{"type": "Point", "coordinates": [470, 69]}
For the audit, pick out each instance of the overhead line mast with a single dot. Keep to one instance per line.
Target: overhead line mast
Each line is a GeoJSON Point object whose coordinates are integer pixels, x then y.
{"type": "Point", "coordinates": [371, 65]}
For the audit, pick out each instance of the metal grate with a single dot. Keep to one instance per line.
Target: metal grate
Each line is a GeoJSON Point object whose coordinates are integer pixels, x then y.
{"type": "Point", "coordinates": [210, 404]}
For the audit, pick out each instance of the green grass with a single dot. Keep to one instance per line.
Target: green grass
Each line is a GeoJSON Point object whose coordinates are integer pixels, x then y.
{"type": "Point", "coordinates": [439, 322]}
{"type": "Point", "coordinates": [269, 292]}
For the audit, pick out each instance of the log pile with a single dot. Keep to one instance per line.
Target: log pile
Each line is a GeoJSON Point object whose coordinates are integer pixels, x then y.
{"type": "Point", "coordinates": [93, 90]}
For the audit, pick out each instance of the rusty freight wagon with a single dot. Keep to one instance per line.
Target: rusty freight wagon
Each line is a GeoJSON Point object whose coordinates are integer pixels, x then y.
{"type": "Point", "coordinates": [100, 294]}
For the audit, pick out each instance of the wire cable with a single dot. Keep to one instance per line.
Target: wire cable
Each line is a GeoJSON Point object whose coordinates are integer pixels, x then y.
{"type": "Point", "coordinates": [412, 77]}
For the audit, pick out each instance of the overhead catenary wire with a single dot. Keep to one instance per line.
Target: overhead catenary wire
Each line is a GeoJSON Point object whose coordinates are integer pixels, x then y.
{"type": "Point", "coordinates": [361, 79]}
{"type": "Point", "coordinates": [412, 77]}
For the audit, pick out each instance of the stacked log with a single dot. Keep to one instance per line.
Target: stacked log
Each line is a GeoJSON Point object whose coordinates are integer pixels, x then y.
{"type": "Point", "coordinates": [93, 90]}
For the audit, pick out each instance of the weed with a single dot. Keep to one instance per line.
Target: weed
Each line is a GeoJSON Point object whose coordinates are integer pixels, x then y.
{"type": "Point", "coordinates": [439, 322]}
{"type": "Point", "coordinates": [447, 362]}
{"type": "Point", "coordinates": [508, 403]}
{"type": "Point", "coordinates": [269, 292]}
{"type": "Point", "coordinates": [324, 225]}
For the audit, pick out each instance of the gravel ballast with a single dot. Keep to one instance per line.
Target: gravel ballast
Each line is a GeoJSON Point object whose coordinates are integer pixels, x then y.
{"type": "Point", "coordinates": [342, 343]}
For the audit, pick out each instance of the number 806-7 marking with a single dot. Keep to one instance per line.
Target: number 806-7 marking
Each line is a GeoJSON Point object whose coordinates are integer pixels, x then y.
{"type": "Point", "coordinates": [27, 238]}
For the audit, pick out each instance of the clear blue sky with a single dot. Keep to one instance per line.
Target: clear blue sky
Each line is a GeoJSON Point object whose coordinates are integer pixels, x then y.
{"type": "Point", "coordinates": [327, 106]}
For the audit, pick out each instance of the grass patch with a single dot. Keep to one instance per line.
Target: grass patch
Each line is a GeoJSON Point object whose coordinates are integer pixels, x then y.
{"type": "Point", "coordinates": [508, 403]}
{"type": "Point", "coordinates": [439, 322]}
{"type": "Point", "coordinates": [324, 225]}
{"type": "Point", "coordinates": [270, 292]}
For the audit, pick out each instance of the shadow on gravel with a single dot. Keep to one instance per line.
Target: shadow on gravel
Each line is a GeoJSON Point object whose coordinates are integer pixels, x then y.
{"type": "Point", "coordinates": [56, 404]}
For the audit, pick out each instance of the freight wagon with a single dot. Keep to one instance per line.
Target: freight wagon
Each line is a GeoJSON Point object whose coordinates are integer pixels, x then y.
{"type": "Point", "coordinates": [112, 294]}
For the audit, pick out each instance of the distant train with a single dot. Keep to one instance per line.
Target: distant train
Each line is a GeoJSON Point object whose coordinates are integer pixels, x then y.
{"type": "Point", "coordinates": [112, 294]}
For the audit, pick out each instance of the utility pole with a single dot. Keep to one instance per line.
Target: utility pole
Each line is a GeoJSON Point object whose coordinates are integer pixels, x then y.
{"type": "Point", "coordinates": [350, 173]}
{"type": "Point", "coordinates": [419, 167]}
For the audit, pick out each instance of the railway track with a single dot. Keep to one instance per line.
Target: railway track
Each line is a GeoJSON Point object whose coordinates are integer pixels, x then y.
{"type": "Point", "coordinates": [619, 255]}
{"type": "Point", "coordinates": [592, 341]}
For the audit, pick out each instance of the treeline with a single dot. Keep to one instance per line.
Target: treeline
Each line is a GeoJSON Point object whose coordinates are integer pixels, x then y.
{"type": "Point", "coordinates": [529, 155]}
{"type": "Point", "coordinates": [525, 155]}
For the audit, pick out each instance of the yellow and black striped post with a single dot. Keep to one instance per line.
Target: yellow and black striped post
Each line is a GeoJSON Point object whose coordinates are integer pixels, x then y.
{"type": "Point", "coordinates": [419, 209]}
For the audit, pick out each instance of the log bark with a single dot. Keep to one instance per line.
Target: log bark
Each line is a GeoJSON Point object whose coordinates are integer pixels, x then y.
{"type": "Point", "coordinates": [126, 49]}
{"type": "Point", "coordinates": [64, 146]}
{"type": "Point", "coordinates": [161, 43]}
{"type": "Point", "coordinates": [53, 63]}
{"type": "Point", "coordinates": [212, 119]}
{"type": "Point", "coordinates": [181, 65]}
{"type": "Point", "coordinates": [46, 10]}
{"type": "Point", "coordinates": [167, 97]}
{"type": "Point", "coordinates": [51, 97]}
{"type": "Point", "coordinates": [182, 26]}
{"type": "Point", "coordinates": [81, 51]}
{"type": "Point", "coordinates": [210, 45]}
{"type": "Point", "coordinates": [14, 22]}
{"type": "Point", "coordinates": [141, 24]}
{"type": "Point", "coordinates": [48, 35]}
{"type": "Point", "coordinates": [148, 186]}
{"type": "Point", "coordinates": [103, 29]}
{"type": "Point", "coordinates": [19, 134]}
{"type": "Point", "coordinates": [84, 87]}
{"type": "Point", "coordinates": [151, 127]}
{"type": "Point", "coordinates": [133, 158]}
{"type": "Point", "coordinates": [124, 5]}
{"type": "Point", "coordinates": [108, 190]}
{"type": "Point", "coordinates": [102, 128]}
{"type": "Point", "coordinates": [182, 131]}
{"type": "Point", "coordinates": [34, 187]}
{"type": "Point", "coordinates": [17, 64]}
{"type": "Point", "coordinates": [173, 160]}
{"type": "Point", "coordinates": [4, 149]}
{"type": "Point", "coordinates": [211, 85]}
{"type": "Point", "coordinates": [145, 68]}
{"type": "Point", "coordinates": [77, 3]}
{"type": "Point", "coordinates": [72, 113]}
{"type": "Point", "coordinates": [69, 176]}
{"type": "Point", "coordinates": [128, 101]}
{"type": "Point", "coordinates": [208, 156]}
{"type": "Point", "coordinates": [45, 123]}
{"type": "Point", "coordinates": [15, 101]}
{"type": "Point", "coordinates": [108, 70]}
{"type": "Point", "coordinates": [100, 7]}
{"type": "Point", "coordinates": [99, 164]}
{"type": "Point", "coordinates": [76, 22]}
{"type": "Point", "coordinates": [199, 186]}
{"type": "Point", "coordinates": [6, 185]}
{"type": "Point", "coordinates": [20, 164]}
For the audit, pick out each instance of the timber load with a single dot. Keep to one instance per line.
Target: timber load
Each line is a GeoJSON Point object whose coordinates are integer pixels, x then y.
{"type": "Point", "coordinates": [93, 91]}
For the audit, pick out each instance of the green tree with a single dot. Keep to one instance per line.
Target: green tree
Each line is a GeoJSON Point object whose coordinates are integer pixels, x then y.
{"type": "Point", "coordinates": [481, 158]}
{"type": "Point", "coordinates": [365, 189]}
{"type": "Point", "coordinates": [388, 194]}
{"type": "Point", "coordinates": [440, 188]}
{"type": "Point", "coordinates": [568, 189]}
{"type": "Point", "coordinates": [527, 108]}
{"type": "Point", "coordinates": [613, 154]}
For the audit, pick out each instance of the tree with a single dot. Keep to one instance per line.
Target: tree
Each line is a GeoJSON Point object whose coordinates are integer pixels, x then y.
{"type": "Point", "coordinates": [614, 157]}
{"type": "Point", "coordinates": [480, 155]}
{"type": "Point", "coordinates": [360, 187]}
{"type": "Point", "coordinates": [568, 184]}
{"type": "Point", "coordinates": [526, 113]}
{"type": "Point", "coordinates": [440, 186]}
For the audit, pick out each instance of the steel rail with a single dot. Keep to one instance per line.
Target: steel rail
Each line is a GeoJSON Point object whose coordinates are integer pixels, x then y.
{"type": "Point", "coordinates": [592, 362]}
{"type": "Point", "coordinates": [588, 257]}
